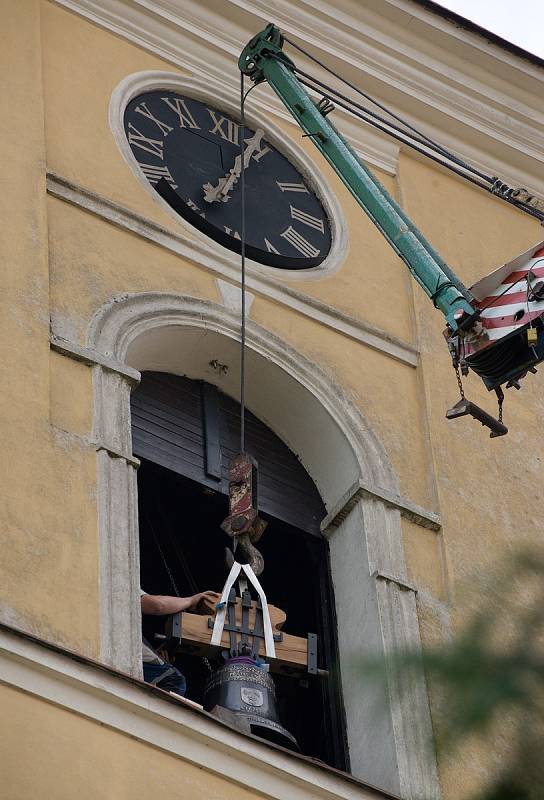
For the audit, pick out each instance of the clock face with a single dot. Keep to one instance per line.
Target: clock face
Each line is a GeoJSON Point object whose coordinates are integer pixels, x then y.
{"type": "Point", "coordinates": [190, 153]}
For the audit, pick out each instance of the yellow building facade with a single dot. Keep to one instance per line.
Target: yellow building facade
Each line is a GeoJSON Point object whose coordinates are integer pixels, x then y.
{"type": "Point", "coordinates": [346, 364]}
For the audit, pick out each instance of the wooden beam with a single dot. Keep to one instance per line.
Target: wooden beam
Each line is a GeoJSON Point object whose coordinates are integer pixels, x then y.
{"type": "Point", "coordinates": [291, 651]}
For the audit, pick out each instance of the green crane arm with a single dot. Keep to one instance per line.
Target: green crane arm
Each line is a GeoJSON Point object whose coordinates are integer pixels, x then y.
{"type": "Point", "coordinates": [263, 59]}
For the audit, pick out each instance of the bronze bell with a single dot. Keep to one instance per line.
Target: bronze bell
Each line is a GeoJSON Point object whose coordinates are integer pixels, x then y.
{"type": "Point", "coordinates": [243, 695]}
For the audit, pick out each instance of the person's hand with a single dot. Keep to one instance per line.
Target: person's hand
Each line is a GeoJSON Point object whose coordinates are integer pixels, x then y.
{"type": "Point", "coordinates": [203, 602]}
{"type": "Point", "coordinates": [164, 654]}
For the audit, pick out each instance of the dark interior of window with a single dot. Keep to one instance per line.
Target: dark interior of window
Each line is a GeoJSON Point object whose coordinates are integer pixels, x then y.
{"type": "Point", "coordinates": [182, 547]}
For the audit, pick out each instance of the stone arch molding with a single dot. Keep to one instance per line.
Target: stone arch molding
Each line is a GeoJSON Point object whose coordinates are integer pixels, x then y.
{"type": "Point", "coordinates": [375, 607]}
{"type": "Point", "coordinates": [218, 95]}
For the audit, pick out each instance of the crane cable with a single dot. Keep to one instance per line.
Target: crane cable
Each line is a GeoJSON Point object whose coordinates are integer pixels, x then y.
{"type": "Point", "coordinates": [243, 96]}
{"type": "Point", "coordinates": [418, 135]}
{"type": "Point", "coordinates": [413, 137]}
{"type": "Point", "coordinates": [243, 270]}
{"type": "Point", "coordinates": [400, 136]}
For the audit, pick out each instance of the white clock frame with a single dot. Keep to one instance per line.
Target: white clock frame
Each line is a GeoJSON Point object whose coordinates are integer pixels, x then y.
{"type": "Point", "coordinates": [217, 95]}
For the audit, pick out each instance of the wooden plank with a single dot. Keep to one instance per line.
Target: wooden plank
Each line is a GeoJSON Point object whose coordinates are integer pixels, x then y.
{"type": "Point", "coordinates": [163, 415]}
{"type": "Point", "coordinates": [170, 428]}
{"type": "Point", "coordinates": [145, 444]}
{"type": "Point", "coordinates": [290, 652]}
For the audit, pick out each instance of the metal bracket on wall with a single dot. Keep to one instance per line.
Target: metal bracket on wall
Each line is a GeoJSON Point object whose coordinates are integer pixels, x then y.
{"type": "Point", "coordinates": [173, 629]}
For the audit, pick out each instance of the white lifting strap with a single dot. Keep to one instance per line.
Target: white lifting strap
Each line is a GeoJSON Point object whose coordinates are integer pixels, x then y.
{"type": "Point", "coordinates": [220, 616]}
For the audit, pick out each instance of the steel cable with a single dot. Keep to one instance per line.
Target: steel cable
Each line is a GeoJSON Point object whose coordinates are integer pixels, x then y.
{"type": "Point", "coordinates": [344, 102]}
{"type": "Point", "coordinates": [243, 269]}
{"type": "Point", "coordinates": [243, 97]}
{"type": "Point", "coordinates": [430, 142]}
{"type": "Point", "coordinates": [400, 138]}
{"type": "Point", "coordinates": [412, 137]}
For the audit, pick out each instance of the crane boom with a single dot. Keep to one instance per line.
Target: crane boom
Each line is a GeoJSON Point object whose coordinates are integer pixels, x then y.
{"type": "Point", "coordinates": [263, 59]}
{"type": "Point", "coordinates": [497, 329]}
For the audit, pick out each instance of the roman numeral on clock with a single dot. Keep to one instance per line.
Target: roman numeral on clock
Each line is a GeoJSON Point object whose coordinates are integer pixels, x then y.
{"type": "Point", "coordinates": [143, 109]}
{"type": "Point", "coordinates": [292, 187]}
{"type": "Point", "coordinates": [270, 247]}
{"type": "Point", "coordinates": [194, 206]}
{"type": "Point", "coordinates": [154, 174]}
{"type": "Point", "coordinates": [154, 146]}
{"type": "Point", "coordinates": [307, 219]}
{"type": "Point", "coordinates": [179, 107]}
{"type": "Point", "coordinates": [299, 242]}
{"type": "Point", "coordinates": [225, 127]}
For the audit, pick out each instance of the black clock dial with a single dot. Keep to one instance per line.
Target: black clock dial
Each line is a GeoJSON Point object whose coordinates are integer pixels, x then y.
{"type": "Point", "coordinates": [189, 153]}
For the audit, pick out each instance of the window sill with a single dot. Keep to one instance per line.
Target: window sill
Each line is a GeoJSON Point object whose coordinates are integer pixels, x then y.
{"type": "Point", "coordinates": [171, 723]}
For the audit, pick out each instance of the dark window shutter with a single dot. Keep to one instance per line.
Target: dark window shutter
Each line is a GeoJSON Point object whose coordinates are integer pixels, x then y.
{"type": "Point", "coordinates": [193, 429]}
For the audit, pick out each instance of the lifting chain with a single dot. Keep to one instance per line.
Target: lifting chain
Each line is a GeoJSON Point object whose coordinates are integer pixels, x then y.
{"type": "Point", "coordinates": [459, 382]}
{"type": "Point", "coordinates": [500, 400]}
{"type": "Point", "coordinates": [498, 390]}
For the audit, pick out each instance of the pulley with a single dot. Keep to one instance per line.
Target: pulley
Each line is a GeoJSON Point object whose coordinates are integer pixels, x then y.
{"type": "Point", "coordinates": [243, 522]}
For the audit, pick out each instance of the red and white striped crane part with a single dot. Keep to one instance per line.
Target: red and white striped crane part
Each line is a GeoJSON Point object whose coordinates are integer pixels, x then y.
{"type": "Point", "coordinates": [506, 307]}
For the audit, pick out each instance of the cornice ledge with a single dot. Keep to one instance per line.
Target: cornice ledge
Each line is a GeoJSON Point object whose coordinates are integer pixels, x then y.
{"type": "Point", "coordinates": [162, 38]}
{"type": "Point", "coordinates": [94, 691]}
{"type": "Point", "coordinates": [154, 26]}
{"type": "Point", "coordinates": [220, 265]}
{"type": "Point", "coordinates": [486, 109]}
{"type": "Point", "coordinates": [75, 440]}
{"type": "Point", "coordinates": [408, 509]}
{"type": "Point", "coordinates": [434, 20]}
{"type": "Point", "coordinates": [92, 358]}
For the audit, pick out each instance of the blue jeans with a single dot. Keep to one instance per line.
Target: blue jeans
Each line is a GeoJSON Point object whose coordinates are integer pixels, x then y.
{"type": "Point", "coordinates": [166, 677]}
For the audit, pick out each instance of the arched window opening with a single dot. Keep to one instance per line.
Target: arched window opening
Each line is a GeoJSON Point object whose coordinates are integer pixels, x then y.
{"type": "Point", "coordinates": [186, 432]}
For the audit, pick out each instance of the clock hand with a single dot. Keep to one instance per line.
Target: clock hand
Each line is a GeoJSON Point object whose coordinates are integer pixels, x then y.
{"type": "Point", "coordinates": [220, 193]}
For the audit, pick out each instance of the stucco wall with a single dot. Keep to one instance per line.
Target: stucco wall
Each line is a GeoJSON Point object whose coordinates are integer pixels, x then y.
{"type": "Point", "coordinates": [486, 488]}
{"type": "Point", "coordinates": [87, 760]}
{"type": "Point", "coordinates": [49, 568]}
{"type": "Point", "coordinates": [63, 263]}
